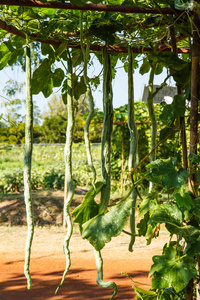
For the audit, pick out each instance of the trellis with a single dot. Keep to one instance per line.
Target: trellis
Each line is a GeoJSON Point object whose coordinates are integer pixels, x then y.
{"type": "Point", "coordinates": [121, 49]}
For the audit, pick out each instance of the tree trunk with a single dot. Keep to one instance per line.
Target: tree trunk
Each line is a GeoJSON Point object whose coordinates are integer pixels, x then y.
{"type": "Point", "coordinates": [27, 167]}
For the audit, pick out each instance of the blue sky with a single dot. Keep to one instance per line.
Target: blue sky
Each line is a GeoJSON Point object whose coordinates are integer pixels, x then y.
{"type": "Point", "coordinates": [120, 87]}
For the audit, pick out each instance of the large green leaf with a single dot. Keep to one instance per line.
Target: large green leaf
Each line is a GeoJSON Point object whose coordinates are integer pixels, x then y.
{"type": "Point", "coordinates": [193, 249]}
{"type": "Point", "coordinates": [170, 270]}
{"type": "Point", "coordinates": [195, 210]}
{"type": "Point", "coordinates": [163, 171]}
{"type": "Point", "coordinates": [143, 225]}
{"type": "Point", "coordinates": [145, 67]}
{"type": "Point", "coordinates": [6, 50]}
{"type": "Point", "coordinates": [184, 231]}
{"type": "Point", "coordinates": [102, 228]}
{"type": "Point", "coordinates": [184, 199]}
{"type": "Point", "coordinates": [176, 108]}
{"type": "Point", "coordinates": [44, 79]}
{"type": "Point", "coordinates": [168, 59]}
{"type": "Point", "coordinates": [167, 212]}
{"type": "Point", "coordinates": [79, 86]}
{"type": "Point", "coordinates": [89, 208]}
{"type": "Point", "coordinates": [148, 205]}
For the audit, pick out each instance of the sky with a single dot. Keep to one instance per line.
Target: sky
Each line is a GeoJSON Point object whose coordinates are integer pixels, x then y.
{"type": "Point", "coordinates": [120, 85]}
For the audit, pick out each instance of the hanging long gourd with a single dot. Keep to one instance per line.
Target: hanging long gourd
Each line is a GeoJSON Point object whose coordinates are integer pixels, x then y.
{"type": "Point", "coordinates": [90, 99]}
{"type": "Point", "coordinates": [152, 118]}
{"type": "Point", "coordinates": [27, 168]}
{"type": "Point", "coordinates": [100, 282]}
{"type": "Point", "coordinates": [107, 131]}
{"type": "Point", "coordinates": [68, 167]}
{"type": "Point", "coordinates": [105, 159]}
{"type": "Point", "coordinates": [133, 142]}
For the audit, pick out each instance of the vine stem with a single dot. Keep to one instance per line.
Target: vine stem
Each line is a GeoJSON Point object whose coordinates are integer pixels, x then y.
{"type": "Point", "coordinates": [133, 144]}
{"type": "Point", "coordinates": [99, 280]}
{"type": "Point", "coordinates": [68, 169]}
{"type": "Point", "coordinates": [27, 168]}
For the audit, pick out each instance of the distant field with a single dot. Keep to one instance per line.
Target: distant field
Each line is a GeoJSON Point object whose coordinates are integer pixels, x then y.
{"type": "Point", "coordinates": [47, 166]}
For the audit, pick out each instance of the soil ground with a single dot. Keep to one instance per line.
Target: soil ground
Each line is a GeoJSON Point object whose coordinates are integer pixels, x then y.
{"type": "Point", "coordinates": [48, 261]}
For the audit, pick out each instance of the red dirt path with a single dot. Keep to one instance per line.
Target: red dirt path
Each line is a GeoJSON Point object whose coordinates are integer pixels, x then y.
{"type": "Point", "coordinates": [48, 263]}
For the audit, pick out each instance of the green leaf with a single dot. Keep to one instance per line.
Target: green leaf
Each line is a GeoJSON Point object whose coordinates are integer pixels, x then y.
{"type": "Point", "coordinates": [171, 270]}
{"type": "Point", "coordinates": [44, 79]}
{"type": "Point", "coordinates": [195, 210]}
{"type": "Point", "coordinates": [143, 224]}
{"type": "Point", "coordinates": [184, 231]}
{"type": "Point", "coordinates": [47, 50]}
{"type": "Point", "coordinates": [159, 69]}
{"type": "Point", "coordinates": [182, 77]}
{"type": "Point", "coordinates": [79, 87]}
{"type": "Point", "coordinates": [145, 67]}
{"type": "Point", "coordinates": [58, 76]}
{"type": "Point", "coordinates": [193, 249]}
{"type": "Point", "coordinates": [102, 228]}
{"type": "Point", "coordinates": [89, 208]}
{"type": "Point", "coordinates": [59, 51]}
{"type": "Point", "coordinates": [185, 200]}
{"type": "Point", "coordinates": [163, 171]}
{"type": "Point", "coordinates": [150, 232]}
{"type": "Point", "coordinates": [148, 205]}
{"type": "Point", "coordinates": [195, 158]}
{"type": "Point", "coordinates": [6, 50]}
{"type": "Point", "coordinates": [167, 114]}
{"type": "Point", "coordinates": [173, 110]}
{"type": "Point", "coordinates": [167, 212]}
{"type": "Point", "coordinates": [167, 132]}
{"type": "Point", "coordinates": [145, 294]}
{"type": "Point", "coordinates": [77, 3]}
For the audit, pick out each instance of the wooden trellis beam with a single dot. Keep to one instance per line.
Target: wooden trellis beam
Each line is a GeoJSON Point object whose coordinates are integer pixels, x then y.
{"type": "Point", "coordinates": [112, 49]}
{"type": "Point", "coordinates": [92, 7]}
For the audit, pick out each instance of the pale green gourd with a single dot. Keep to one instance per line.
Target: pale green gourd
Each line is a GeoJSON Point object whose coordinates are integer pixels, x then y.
{"type": "Point", "coordinates": [133, 143]}
{"type": "Point", "coordinates": [27, 168]}
{"type": "Point", "coordinates": [68, 168]}
{"type": "Point", "coordinates": [105, 159]}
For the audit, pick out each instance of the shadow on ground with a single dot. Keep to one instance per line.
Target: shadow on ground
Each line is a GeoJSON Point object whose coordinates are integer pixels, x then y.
{"type": "Point", "coordinates": [74, 287]}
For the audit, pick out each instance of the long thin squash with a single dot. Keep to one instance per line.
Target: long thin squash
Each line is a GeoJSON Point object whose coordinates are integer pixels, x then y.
{"type": "Point", "coordinates": [90, 100]}
{"type": "Point", "coordinates": [152, 118]}
{"type": "Point", "coordinates": [99, 280]}
{"type": "Point", "coordinates": [107, 131]}
{"type": "Point", "coordinates": [133, 143]}
{"type": "Point", "coordinates": [27, 168]}
{"type": "Point", "coordinates": [105, 159]}
{"type": "Point", "coordinates": [68, 169]}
